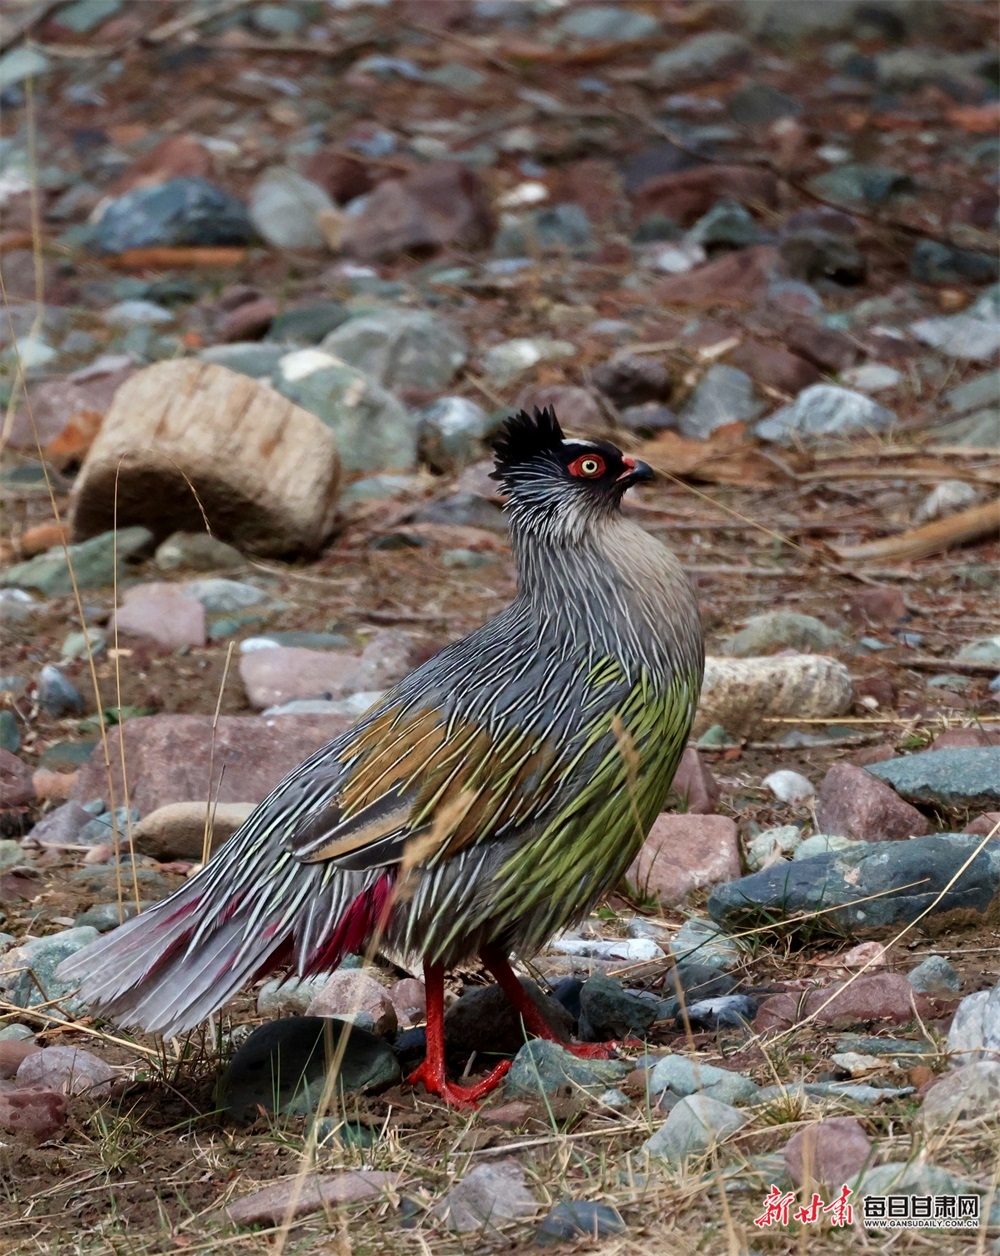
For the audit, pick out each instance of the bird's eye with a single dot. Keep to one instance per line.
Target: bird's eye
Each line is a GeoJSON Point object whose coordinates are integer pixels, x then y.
{"type": "Point", "coordinates": [587, 467]}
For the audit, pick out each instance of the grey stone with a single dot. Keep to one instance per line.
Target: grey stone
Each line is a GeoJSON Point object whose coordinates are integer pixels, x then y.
{"type": "Point", "coordinates": [573, 1219]}
{"type": "Point", "coordinates": [12, 854]}
{"type": "Point", "coordinates": [786, 837]}
{"type": "Point", "coordinates": [93, 563]}
{"type": "Point", "coordinates": [451, 431]}
{"type": "Point", "coordinates": [959, 336]}
{"type": "Point", "coordinates": [694, 1125]}
{"type": "Point", "coordinates": [104, 916]}
{"type": "Point", "coordinates": [289, 994]}
{"type": "Point", "coordinates": [307, 324]}
{"type": "Point", "coordinates": [608, 1011]}
{"type": "Point", "coordinates": [724, 395]}
{"type": "Point", "coordinates": [78, 645]}
{"type": "Point", "coordinates": [980, 391]}
{"type": "Point", "coordinates": [600, 23]}
{"type": "Point", "coordinates": [684, 1076]}
{"type": "Point", "coordinates": [934, 975]}
{"type": "Point", "coordinates": [555, 229]}
{"type": "Point", "coordinates": [102, 828]}
{"type": "Point", "coordinates": [56, 696]}
{"type": "Point", "coordinates": [541, 1068]}
{"type": "Point", "coordinates": [812, 253]}
{"type": "Point", "coordinates": [821, 844]}
{"type": "Point", "coordinates": [222, 596]}
{"type": "Point", "coordinates": [259, 361]}
{"type": "Point", "coordinates": [508, 360]}
{"type": "Point", "coordinates": [975, 1028]}
{"type": "Point", "coordinates": [282, 1067]}
{"type": "Point", "coordinates": [715, 54]}
{"type": "Point", "coordinates": [66, 1070]}
{"type": "Point", "coordinates": [759, 104]}
{"type": "Point", "coordinates": [277, 19]}
{"type": "Point", "coordinates": [21, 63]}
{"type": "Point", "coordinates": [61, 827]}
{"type": "Point", "coordinates": [729, 1011]}
{"type": "Point", "coordinates": [86, 15]}
{"type": "Point", "coordinates": [906, 69]}
{"type": "Point", "coordinates": [284, 206]}
{"type": "Point", "coordinates": [906, 877]}
{"type": "Point", "coordinates": [786, 23]}
{"type": "Point", "coordinates": [455, 77]}
{"type": "Point", "coordinates": [871, 377]}
{"type": "Point", "coordinates": [706, 942]}
{"type": "Point", "coordinates": [967, 777]}
{"type": "Point", "coordinates": [941, 264]}
{"type": "Point", "coordinates": [985, 650]}
{"type": "Point", "coordinates": [181, 211]}
{"type": "Point", "coordinates": [855, 182]}
{"type": "Point", "coordinates": [400, 348]}
{"type": "Point", "coordinates": [137, 313]}
{"type": "Point", "coordinates": [196, 551]}
{"type": "Point", "coordinates": [825, 410]}
{"type": "Point", "coordinates": [10, 737]}
{"type": "Point", "coordinates": [728, 223]}
{"type": "Point", "coordinates": [28, 976]}
{"type": "Point", "coordinates": [371, 429]}
{"type": "Point", "coordinates": [491, 1193]}
{"type": "Point", "coordinates": [784, 630]}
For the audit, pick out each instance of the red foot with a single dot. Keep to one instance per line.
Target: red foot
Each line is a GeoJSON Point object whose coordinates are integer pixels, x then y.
{"type": "Point", "coordinates": [599, 1050]}
{"type": "Point", "coordinates": [457, 1096]}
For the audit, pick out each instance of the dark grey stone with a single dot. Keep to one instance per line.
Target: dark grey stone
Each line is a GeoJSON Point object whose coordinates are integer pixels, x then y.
{"type": "Point", "coordinates": [968, 777]}
{"type": "Point", "coordinates": [56, 696]}
{"type": "Point", "coordinates": [542, 1067]}
{"type": "Point", "coordinates": [182, 211]}
{"type": "Point", "coordinates": [731, 1011]}
{"type": "Point", "coordinates": [483, 1019]}
{"type": "Point", "coordinates": [608, 1011]}
{"type": "Point", "coordinates": [757, 104]}
{"type": "Point", "coordinates": [905, 876]}
{"type": "Point", "coordinates": [282, 1067]}
{"type": "Point", "coordinates": [857, 182]}
{"type": "Point", "coordinates": [941, 264]}
{"type": "Point", "coordinates": [578, 1218]}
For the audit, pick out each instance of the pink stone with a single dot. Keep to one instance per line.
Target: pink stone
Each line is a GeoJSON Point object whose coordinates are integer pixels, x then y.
{"type": "Point", "coordinates": [168, 757]}
{"type": "Point", "coordinates": [275, 676]}
{"type": "Point", "coordinates": [694, 782]}
{"type": "Point", "coordinates": [409, 998]}
{"type": "Point", "coordinates": [299, 1196]}
{"type": "Point", "coordinates": [163, 612]}
{"type": "Point", "coordinates": [356, 996]}
{"type": "Point", "coordinates": [12, 1052]}
{"type": "Point", "coordinates": [68, 1069]}
{"type": "Point", "coordinates": [853, 803]}
{"type": "Point", "coordinates": [868, 998]}
{"type": "Point", "coordinates": [16, 788]}
{"type": "Point", "coordinates": [829, 1153]}
{"type": "Point", "coordinates": [684, 853]}
{"type": "Point", "coordinates": [33, 1114]}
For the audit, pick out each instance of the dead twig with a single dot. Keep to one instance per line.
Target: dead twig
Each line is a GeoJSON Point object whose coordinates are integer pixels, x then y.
{"type": "Point", "coordinates": [973, 524]}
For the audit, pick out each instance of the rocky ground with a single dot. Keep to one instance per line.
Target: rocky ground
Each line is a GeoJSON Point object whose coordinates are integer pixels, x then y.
{"type": "Point", "coordinates": [272, 275]}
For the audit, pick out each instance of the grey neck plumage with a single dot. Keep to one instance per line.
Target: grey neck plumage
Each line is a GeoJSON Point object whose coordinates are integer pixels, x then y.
{"type": "Point", "coordinates": [608, 588]}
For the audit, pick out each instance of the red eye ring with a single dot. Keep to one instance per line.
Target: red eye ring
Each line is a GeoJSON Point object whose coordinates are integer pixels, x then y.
{"type": "Point", "coordinates": [587, 467]}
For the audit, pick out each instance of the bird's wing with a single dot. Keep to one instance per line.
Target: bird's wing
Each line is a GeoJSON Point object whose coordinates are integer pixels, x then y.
{"type": "Point", "coordinates": [414, 774]}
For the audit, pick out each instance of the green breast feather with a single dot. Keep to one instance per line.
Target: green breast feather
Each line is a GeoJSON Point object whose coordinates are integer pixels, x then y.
{"type": "Point", "coordinates": [589, 845]}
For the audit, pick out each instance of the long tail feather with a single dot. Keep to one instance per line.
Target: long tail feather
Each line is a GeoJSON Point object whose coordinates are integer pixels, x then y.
{"type": "Point", "coordinates": [251, 909]}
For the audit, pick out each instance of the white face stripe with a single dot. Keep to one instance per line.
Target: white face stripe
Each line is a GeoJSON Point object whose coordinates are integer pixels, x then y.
{"type": "Point", "coordinates": [583, 444]}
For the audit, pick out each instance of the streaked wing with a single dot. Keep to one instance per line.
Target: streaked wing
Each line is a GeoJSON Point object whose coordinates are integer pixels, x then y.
{"type": "Point", "coordinates": [416, 772]}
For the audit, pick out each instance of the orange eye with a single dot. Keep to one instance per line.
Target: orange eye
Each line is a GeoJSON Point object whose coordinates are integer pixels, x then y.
{"type": "Point", "coordinates": [587, 467]}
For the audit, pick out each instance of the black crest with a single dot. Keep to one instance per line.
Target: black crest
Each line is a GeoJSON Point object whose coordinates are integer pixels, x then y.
{"type": "Point", "coordinates": [524, 437]}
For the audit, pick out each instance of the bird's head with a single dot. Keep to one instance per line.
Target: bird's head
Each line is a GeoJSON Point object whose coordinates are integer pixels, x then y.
{"type": "Point", "coordinates": [558, 484]}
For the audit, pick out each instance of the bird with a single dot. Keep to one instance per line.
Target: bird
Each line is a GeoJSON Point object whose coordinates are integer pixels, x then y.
{"type": "Point", "coordinates": [485, 802]}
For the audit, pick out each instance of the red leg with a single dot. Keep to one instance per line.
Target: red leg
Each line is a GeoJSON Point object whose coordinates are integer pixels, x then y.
{"type": "Point", "coordinates": [431, 1072]}
{"type": "Point", "coordinates": [496, 962]}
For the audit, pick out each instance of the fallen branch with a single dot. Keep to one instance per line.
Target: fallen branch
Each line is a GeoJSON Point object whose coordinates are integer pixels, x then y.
{"type": "Point", "coordinates": [968, 525]}
{"type": "Point", "coordinates": [163, 258]}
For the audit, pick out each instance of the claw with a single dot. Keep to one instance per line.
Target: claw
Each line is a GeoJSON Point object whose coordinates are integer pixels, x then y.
{"type": "Point", "coordinates": [436, 1083]}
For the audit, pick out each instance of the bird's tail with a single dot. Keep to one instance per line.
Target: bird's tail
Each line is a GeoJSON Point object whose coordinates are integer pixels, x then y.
{"type": "Point", "coordinates": [251, 909]}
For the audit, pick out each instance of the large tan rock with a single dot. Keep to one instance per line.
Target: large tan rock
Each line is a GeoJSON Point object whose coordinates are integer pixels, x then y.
{"type": "Point", "coordinates": [187, 436]}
